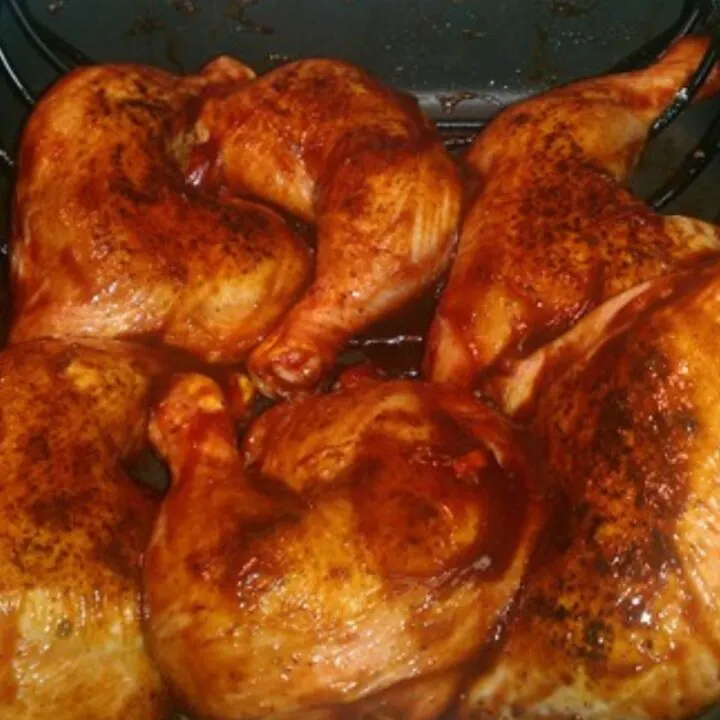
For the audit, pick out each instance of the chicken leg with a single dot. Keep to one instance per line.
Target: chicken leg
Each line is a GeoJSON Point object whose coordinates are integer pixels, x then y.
{"type": "Point", "coordinates": [74, 527]}
{"type": "Point", "coordinates": [621, 614]}
{"type": "Point", "coordinates": [326, 142]}
{"type": "Point", "coordinates": [361, 551]}
{"type": "Point", "coordinates": [109, 241]}
{"type": "Point", "coordinates": [552, 232]}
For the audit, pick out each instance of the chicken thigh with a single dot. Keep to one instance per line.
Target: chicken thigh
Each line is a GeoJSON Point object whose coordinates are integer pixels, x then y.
{"type": "Point", "coordinates": [329, 144]}
{"type": "Point", "coordinates": [360, 552]}
{"type": "Point", "coordinates": [551, 232]}
{"type": "Point", "coordinates": [74, 527]}
{"type": "Point", "coordinates": [109, 241]}
{"type": "Point", "coordinates": [621, 612]}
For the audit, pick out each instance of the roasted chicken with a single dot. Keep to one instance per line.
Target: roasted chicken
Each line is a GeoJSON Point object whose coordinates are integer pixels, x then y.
{"type": "Point", "coordinates": [551, 231]}
{"type": "Point", "coordinates": [389, 549]}
{"type": "Point", "coordinates": [328, 143]}
{"type": "Point", "coordinates": [362, 547]}
{"type": "Point", "coordinates": [109, 241]}
{"type": "Point", "coordinates": [74, 527]}
{"type": "Point", "coordinates": [620, 615]}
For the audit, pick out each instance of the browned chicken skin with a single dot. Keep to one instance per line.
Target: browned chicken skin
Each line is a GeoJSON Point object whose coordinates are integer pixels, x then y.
{"type": "Point", "coordinates": [621, 615]}
{"type": "Point", "coordinates": [73, 532]}
{"type": "Point", "coordinates": [551, 231]}
{"type": "Point", "coordinates": [109, 241]}
{"type": "Point", "coordinates": [328, 143]}
{"type": "Point", "coordinates": [359, 553]}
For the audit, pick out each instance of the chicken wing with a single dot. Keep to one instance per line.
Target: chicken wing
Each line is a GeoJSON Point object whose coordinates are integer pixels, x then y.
{"type": "Point", "coordinates": [326, 142]}
{"type": "Point", "coordinates": [74, 527]}
{"type": "Point", "coordinates": [109, 241]}
{"type": "Point", "coordinates": [552, 232]}
{"type": "Point", "coordinates": [621, 613]}
{"type": "Point", "coordinates": [362, 549]}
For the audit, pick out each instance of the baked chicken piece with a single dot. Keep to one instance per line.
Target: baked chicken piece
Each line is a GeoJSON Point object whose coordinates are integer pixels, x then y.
{"type": "Point", "coordinates": [551, 231]}
{"type": "Point", "coordinates": [328, 143]}
{"type": "Point", "coordinates": [109, 241]}
{"type": "Point", "coordinates": [620, 616]}
{"type": "Point", "coordinates": [346, 565]}
{"type": "Point", "coordinates": [74, 527]}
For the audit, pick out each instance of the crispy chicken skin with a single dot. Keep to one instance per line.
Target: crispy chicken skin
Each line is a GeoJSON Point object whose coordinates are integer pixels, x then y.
{"type": "Point", "coordinates": [109, 241]}
{"type": "Point", "coordinates": [551, 232]}
{"type": "Point", "coordinates": [620, 616]}
{"type": "Point", "coordinates": [359, 551]}
{"type": "Point", "coordinates": [73, 532]}
{"type": "Point", "coordinates": [329, 144]}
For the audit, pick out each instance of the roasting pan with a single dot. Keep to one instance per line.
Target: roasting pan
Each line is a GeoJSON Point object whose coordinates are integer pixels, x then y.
{"type": "Point", "coordinates": [463, 59]}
